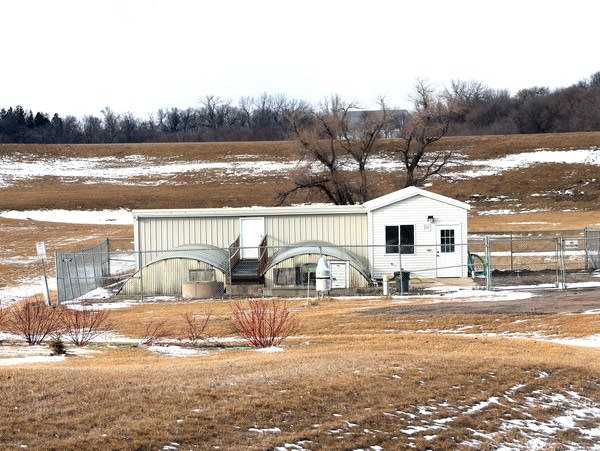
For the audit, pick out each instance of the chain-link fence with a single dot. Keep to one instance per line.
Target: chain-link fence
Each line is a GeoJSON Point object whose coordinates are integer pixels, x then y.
{"type": "Point", "coordinates": [492, 261]}
{"type": "Point", "coordinates": [592, 248]}
{"type": "Point", "coordinates": [82, 271]}
{"type": "Point", "coordinates": [537, 259]}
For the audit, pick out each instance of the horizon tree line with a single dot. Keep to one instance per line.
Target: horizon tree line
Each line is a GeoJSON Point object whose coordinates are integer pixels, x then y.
{"type": "Point", "coordinates": [476, 110]}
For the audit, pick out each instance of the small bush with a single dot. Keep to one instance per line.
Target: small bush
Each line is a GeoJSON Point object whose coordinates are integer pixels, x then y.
{"type": "Point", "coordinates": [155, 331]}
{"type": "Point", "coordinates": [57, 346]}
{"type": "Point", "coordinates": [33, 320]}
{"type": "Point", "coordinates": [194, 326]}
{"type": "Point", "coordinates": [263, 323]}
{"type": "Point", "coordinates": [81, 326]}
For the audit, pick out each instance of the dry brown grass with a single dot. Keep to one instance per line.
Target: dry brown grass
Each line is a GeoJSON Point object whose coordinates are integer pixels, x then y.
{"type": "Point", "coordinates": [204, 191]}
{"type": "Point", "coordinates": [348, 380]}
{"type": "Point", "coordinates": [18, 238]}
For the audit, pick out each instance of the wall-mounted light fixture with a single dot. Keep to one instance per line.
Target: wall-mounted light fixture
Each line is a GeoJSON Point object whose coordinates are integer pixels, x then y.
{"type": "Point", "coordinates": [430, 219]}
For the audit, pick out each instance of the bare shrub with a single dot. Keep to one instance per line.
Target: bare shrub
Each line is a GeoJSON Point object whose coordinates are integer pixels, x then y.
{"type": "Point", "coordinates": [81, 326]}
{"type": "Point", "coordinates": [155, 331]}
{"type": "Point", "coordinates": [33, 320]}
{"type": "Point", "coordinates": [263, 323]}
{"type": "Point", "coordinates": [194, 326]}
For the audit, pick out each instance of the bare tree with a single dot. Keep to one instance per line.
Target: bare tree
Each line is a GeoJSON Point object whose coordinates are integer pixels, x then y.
{"type": "Point", "coordinates": [92, 129]}
{"type": "Point", "coordinates": [111, 125]}
{"type": "Point", "coordinates": [428, 123]}
{"type": "Point", "coordinates": [336, 139]}
{"type": "Point", "coordinates": [359, 142]}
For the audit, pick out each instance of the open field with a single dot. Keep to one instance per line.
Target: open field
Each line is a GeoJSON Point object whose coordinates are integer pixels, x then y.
{"type": "Point", "coordinates": [358, 375]}
{"type": "Point", "coordinates": [188, 175]}
{"type": "Point", "coordinates": [433, 372]}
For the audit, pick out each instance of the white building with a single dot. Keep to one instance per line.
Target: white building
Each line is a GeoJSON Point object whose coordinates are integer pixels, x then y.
{"type": "Point", "coordinates": [277, 247]}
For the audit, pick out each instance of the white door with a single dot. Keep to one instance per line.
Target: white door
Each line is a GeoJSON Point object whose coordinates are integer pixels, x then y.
{"type": "Point", "coordinates": [448, 251]}
{"type": "Point", "coordinates": [252, 231]}
{"type": "Point", "coordinates": [339, 274]}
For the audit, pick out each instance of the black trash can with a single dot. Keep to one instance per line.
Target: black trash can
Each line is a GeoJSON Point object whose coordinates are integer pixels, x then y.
{"type": "Point", "coordinates": [402, 278]}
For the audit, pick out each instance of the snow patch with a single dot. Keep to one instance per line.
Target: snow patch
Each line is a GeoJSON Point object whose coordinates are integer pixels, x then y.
{"type": "Point", "coordinates": [121, 216]}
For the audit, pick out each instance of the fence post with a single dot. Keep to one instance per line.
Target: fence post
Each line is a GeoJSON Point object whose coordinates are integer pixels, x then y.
{"type": "Point", "coordinates": [561, 273]}
{"type": "Point", "coordinates": [585, 247]}
{"type": "Point", "coordinates": [107, 257]}
{"type": "Point", "coordinates": [399, 268]}
{"type": "Point", "coordinates": [488, 274]}
{"type": "Point", "coordinates": [141, 269]}
{"type": "Point", "coordinates": [511, 252]}
{"type": "Point", "coordinates": [229, 277]}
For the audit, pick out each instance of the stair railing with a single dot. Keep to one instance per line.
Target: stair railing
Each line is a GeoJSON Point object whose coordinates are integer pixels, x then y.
{"type": "Point", "coordinates": [234, 253]}
{"type": "Point", "coordinates": [263, 255]}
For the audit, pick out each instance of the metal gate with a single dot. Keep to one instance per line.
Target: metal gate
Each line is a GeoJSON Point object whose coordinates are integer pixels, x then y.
{"type": "Point", "coordinates": [80, 272]}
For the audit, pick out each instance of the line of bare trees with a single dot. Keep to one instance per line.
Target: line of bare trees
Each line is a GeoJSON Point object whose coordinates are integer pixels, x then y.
{"type": "Point", "coordinates": [477, 109]}
{"type": "Point", "coordinates": [482, 110]}
{"type": "Point", "coordinates": [216, 119]}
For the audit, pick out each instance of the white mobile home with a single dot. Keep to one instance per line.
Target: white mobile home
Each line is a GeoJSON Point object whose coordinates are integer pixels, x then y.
{"type": "Point", "coordinates": [278, 247]}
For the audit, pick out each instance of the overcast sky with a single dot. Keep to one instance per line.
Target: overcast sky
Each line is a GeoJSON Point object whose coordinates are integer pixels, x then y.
{"type": "Point", "coordinates": [78, 56]}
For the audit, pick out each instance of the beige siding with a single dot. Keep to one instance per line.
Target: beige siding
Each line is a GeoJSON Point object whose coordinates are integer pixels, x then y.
{"type": "Point", "coordinates": [157, 235]}
{"type": "Point", "coordinates": [165, 277]}
{"type": "Point", "coordinates": [345, 230]}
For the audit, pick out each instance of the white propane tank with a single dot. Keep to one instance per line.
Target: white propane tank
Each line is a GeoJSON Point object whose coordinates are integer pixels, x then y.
{"type": "Point", "coordinates": [323, 276]}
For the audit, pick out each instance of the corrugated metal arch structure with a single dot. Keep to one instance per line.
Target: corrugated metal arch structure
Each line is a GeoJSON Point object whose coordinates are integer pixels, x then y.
{"type": "Point", "coordinates": [211, 255]}
{"type": "Point", "coordinates": [165, 274]}
{"type": "Point", "coordinates": [318, 247]}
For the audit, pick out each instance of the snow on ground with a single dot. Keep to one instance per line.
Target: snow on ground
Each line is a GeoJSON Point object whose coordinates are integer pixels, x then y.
{"type": "Point", "coordinates": [522, 160]}
{"type": "Point", "coordinates": [31, 359]}
{"type": "Point", "coordinates": [146, 170]}
{"type": "Point", "coordinates": [532, 420]}
{"type": "Point", "coordinates": [24, 288]}
{"type": "Point", "coordinates": [177, 351]}
{"type": "Point", "coordinates": [270, 349]}
{"type": "Point", "coordinates": [468, 294]}
{"type": "Point", "coordinates": [591, 341]}
{"type": "Point", "coordinates": [121, 216]}
{"type": "Point", "coordinates": [19, 353]}
{"type": "Point", "coordinates": [130, 170]}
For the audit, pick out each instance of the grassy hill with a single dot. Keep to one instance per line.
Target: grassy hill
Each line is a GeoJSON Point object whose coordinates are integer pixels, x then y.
{"type": "Point", "coordinates": [95, 177]}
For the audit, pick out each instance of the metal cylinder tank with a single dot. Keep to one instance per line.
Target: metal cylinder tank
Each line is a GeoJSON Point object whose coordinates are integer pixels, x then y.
{"type": "Point", "coordinates": [323, 276]}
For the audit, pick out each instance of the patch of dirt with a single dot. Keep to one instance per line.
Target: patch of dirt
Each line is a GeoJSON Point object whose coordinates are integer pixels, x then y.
{"type": "Point", "coordinates": [543, 302]}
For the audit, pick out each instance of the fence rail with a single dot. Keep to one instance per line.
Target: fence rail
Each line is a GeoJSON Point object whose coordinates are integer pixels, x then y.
{"type": "Point", "coordinates": [496, 261]}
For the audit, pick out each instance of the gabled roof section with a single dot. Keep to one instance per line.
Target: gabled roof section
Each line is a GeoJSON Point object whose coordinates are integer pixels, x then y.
{"type": "Point", "coordinates": [407, 193]}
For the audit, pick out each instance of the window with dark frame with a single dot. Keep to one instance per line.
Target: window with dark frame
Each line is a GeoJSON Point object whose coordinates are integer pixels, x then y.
{"type": "Point", "coordinates": [400, 238]}
{"type": "Point", "coordinates": [391, 239]}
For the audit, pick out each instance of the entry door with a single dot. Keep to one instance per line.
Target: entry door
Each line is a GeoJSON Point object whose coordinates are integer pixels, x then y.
{"type": "Point", "coordinates": [448, 251]}
{"type": "Point", "coordinates": [252, 231]}
{"type": "Point", "coordinates": [339, 274]}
